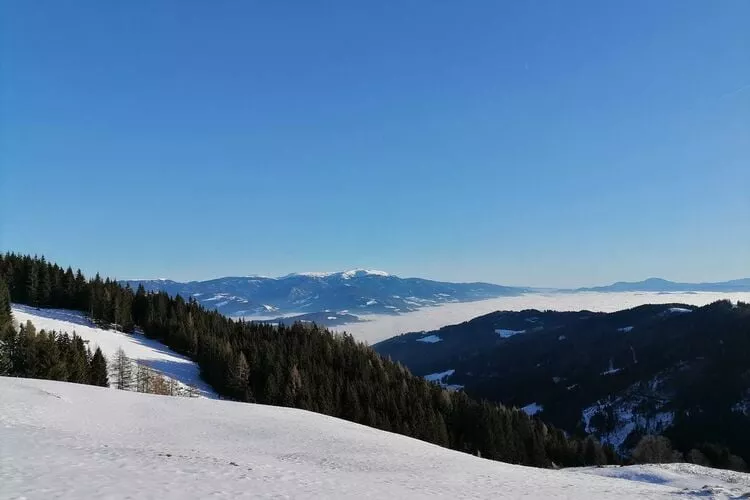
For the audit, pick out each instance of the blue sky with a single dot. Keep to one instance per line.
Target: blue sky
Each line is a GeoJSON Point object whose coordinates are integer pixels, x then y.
{"type": "Point", "coordinates": [538, 143]}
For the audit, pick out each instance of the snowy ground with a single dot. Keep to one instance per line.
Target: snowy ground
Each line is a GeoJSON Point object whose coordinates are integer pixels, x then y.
{"type": "Point", "coordinates": [137, 347]}
{"type": "Point", "coordinates": [380, 327]}
{"type": "Point", "coordinates": [63, 440]}
{"type": "Point", "coordinates": [690, 478]}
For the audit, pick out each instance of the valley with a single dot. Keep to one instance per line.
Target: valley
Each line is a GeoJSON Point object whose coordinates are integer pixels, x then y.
{"type": "Point", "coordinates": [672, 369]}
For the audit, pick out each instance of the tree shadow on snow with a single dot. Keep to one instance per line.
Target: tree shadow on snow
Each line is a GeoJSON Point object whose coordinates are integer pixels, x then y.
{"type": "Point", "coordinates": [75, 317]}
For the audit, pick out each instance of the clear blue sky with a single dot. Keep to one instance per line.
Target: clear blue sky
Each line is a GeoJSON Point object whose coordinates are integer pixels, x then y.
{"type": "Point", "coordinates": [540, 143]}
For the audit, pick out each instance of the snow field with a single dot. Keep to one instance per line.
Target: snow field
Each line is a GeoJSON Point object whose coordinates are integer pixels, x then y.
{"type": "Point", "coordinates": [62, 440]}
{"type": "Point", "coordinates": [137, 347]}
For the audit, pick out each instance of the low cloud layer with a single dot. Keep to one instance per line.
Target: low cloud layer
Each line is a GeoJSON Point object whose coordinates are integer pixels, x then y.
{"type": "Point", "coordinates": [381, 327]}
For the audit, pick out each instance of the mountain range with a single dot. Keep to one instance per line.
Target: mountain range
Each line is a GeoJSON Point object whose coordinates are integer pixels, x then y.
{"type": "Point", "coordinates": [336, 298]}
{"type": "Point", "coordinates": [339, 294]}
{"type": "Point", "coordinates": [662, 285]}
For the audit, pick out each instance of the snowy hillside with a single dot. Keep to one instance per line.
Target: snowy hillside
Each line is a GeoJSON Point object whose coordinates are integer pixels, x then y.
{"type": "Point", "coordinates": [63, 440]}
{"type": "Point", "coordinates": [137, 347]}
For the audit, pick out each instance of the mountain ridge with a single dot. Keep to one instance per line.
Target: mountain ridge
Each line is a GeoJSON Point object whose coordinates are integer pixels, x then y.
{"type": "Point", "coordinates": [672, 369]}
{"type": "Point", "coordinates": [655, 284]}
{"type": "Point", "coordinates": [355, 292]}
{"type": "Point", "coordinates": [361, 292]}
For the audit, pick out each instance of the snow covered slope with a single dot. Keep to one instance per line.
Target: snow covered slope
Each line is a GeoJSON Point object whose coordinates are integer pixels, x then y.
{"type": "Point", "coordinates": [137, 347]}
{"type": "Point", "coordinates": [61, 440]}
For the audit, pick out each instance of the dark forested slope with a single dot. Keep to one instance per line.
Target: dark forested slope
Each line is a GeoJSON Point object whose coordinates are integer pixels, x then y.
{"type": "Point", "coordinates": [679, 370]}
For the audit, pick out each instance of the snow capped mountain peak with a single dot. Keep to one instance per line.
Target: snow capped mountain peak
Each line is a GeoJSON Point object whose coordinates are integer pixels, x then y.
{"type": "Point", "coordinates": [362, 272]}
{"type": "Point", "coordinates": [311, 274]}
{"type": "Point", "coordinates": [353, 273]}
{"type": "Point", "coordinates": [368, 291]}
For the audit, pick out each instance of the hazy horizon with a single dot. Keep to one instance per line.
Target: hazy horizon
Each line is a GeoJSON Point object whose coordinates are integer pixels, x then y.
{"type": "Point", "coordinates": [258, 275]}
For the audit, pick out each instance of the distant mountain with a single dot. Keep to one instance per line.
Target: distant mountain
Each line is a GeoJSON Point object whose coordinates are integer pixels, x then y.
{"type": "Point", "coordinates": [674, 369]}
{"type": "Point", "coordinates": [322, 318]}
{"type": "Point", "coordinates": [354, 292]}
{"type": "Point", "coordinates": [662, 285]}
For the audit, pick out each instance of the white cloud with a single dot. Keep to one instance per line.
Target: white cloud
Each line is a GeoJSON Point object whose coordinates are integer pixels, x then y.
{"type": "Point", "coordinates": [381, 327]}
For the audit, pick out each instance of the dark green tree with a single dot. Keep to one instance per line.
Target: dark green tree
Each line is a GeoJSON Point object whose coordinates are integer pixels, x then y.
{"type": "Point", "coordinates": [98, 369]}
{"type": "Point", "coordinates": [5, 312]}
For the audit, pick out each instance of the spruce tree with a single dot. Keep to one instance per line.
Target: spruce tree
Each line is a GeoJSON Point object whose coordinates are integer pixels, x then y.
{"type": "Point", "coordinates": [238, 373]}
{"type": "Point", "coordinates": [7, 345]}
{"type": "Point", "coordinates": [78, 361]}
{"type": "Point", "coordinates": [98, 369]}
{"type": "Point", "coordinates": [5, 313]}
{"type": "Point", "coordinates": [32, 283]}
{"type": "Point", "coordinates": [69, 289]}
{"type": "Point", "coordinates": [44, 292]}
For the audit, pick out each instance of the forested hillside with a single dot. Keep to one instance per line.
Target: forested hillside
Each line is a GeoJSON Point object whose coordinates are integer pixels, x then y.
{"type": "Point", "coordinates": [302, 366]}
{"type": "Point", "coordinates": [672, 369]}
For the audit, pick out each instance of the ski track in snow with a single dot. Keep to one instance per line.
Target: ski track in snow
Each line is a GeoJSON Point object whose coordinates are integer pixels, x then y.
{"type": "Point", "coordinates": [70, 441]}
{"type": "Point", "coordinates": [137, 346]}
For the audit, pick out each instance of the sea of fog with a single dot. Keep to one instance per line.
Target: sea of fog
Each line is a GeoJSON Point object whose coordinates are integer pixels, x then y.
{"type": "Point", "coordinates": [380, 327]}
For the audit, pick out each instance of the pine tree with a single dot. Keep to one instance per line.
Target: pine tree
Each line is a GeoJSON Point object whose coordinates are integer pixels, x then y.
{"type": "Point", "coordinates": [5, 312]}
{"type": "Point", "coordinates": [82, 293]}
{"type": "Point", "coordinates": [98, 369]}
{"type": "Point", "coordinates": [78, 361]}
{"type": "Point", "coordinates": [7, 345]}
{"type": "Point", "coordinates": [44, 292]}
{"type": "Point", "coordinates": [593, 454]}
{"type": "Point", "coordinates": [238, 374]}
{"type": "Point", "coordinates": [32, 283]}
{"type": "Point", "coordinates": [69, 289]}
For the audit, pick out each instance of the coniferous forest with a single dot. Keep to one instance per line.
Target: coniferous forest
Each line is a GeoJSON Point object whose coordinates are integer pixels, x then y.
{"type": "Point", "coordinates": [301, 366]}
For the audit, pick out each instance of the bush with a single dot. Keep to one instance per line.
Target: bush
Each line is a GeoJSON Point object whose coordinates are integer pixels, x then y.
{"type": "Point", "coordinates": [655, 450]}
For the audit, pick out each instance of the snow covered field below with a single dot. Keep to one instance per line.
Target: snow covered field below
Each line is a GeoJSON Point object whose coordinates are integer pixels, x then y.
{"type": "Point", "coordinates": [137, 346]}
{"type": "Point", "coordinates": [62, 440]}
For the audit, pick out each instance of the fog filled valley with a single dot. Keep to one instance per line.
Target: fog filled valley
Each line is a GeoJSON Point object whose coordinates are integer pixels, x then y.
{"type": "Point", "coordinates": [375, 328]}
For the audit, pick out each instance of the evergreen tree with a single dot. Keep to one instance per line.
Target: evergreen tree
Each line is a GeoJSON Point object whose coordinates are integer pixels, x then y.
{"type": "Point", "coordinates": [5, 312]}
{"type": "Point", "coordinates": [593, 453]}
{"type": "Point", "coordinates": [237, 377]}
{"type": "Point", "coordinates": [98, 369]}
{"type": "Point", "coordinates": [44, 291]}
{"type": "Point", "coordinates": [7, 344]}
{"type": "Point", "coordinates": [32, 283]}
{"type": "Point", "coordinates": [69, 287]}
{"type": "Point", "coordinates": [78, 360]}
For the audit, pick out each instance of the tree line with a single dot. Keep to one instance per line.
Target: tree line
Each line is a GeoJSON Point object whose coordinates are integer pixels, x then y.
{"type": "Point", "coordinates": [48, 355]}
{"type": "Point", "coordinates": [303, 366]}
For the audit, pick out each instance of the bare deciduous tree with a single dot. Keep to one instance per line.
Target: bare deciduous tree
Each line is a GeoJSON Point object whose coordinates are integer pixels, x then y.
{"type": "Point", "coordinates": [122, 370]}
